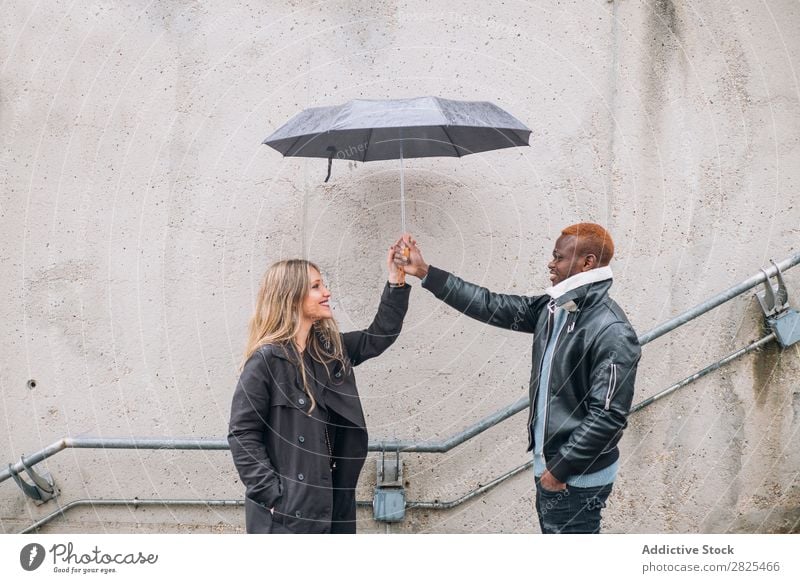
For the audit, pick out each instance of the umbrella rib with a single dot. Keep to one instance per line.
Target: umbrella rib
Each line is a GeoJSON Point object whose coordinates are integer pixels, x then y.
{"type": "Point", "coordinates": [458, 153]}
{"type": "Point", "coordinates": [438, 102]}
{"type": "Point", "coordinates": [366, 146]}
{"type": "Point", "coordinates": [292, 146]}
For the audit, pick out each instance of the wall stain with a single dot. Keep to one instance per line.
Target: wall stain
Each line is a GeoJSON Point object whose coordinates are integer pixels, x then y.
{"type": "Point", "coordinates": [765, 361]}
{"type": "Point", "coordinates": [663, 33]}
{"type": "Point", "coordinates": [665, 10]}
{"type": "Point", "coordinates": [783, 520]}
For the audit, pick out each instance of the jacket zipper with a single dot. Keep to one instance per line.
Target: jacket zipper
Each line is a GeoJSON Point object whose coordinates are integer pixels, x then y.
{"type": "Point", "coordinates": [612, 385]}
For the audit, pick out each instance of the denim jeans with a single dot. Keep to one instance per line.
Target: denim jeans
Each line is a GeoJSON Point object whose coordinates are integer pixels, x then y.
{"type": "Point", "coordinates": [571, 511]}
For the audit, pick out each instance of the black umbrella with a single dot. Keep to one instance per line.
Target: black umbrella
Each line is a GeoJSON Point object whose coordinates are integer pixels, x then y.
{"type": "Point", "coordinates": [391, 129]}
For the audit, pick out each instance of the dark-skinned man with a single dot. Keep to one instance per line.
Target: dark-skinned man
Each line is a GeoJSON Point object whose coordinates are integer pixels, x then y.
{"type": "Point", "coordinates": [584, 360]}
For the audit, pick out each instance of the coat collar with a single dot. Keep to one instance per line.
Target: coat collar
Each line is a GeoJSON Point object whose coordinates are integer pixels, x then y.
{"type": "Point", "coordinates": [280, 350]}
{"type": "Point", "coordinates": [582, 290]}
{"type": "Point", "coordinates": [579, 280]}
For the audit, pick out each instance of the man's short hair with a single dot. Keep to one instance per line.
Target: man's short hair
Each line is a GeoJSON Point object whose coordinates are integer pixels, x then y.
{"type": "Point", "coordinates": [594, 239]}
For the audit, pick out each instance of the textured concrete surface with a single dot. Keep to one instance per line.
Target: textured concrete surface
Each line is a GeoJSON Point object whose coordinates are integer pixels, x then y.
{"type": "Point", "coordinates": [139, 210]}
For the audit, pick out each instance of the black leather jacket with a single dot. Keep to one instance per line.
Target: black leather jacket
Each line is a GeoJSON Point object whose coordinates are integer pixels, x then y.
{"type": "Point", "coordinates": [592, 374]}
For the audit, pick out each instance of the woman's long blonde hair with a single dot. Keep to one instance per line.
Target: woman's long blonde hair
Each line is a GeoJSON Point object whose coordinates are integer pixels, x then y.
{"type": "Point", "coordinates": [277, 316]}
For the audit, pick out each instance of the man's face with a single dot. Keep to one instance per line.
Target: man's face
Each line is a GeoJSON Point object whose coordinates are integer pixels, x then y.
{"type": "Point", "coordinates": [566, 259]}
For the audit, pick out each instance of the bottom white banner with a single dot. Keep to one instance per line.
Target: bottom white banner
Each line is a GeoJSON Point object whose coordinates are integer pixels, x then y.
{"type": "Point", "coordinates": [118, 558]}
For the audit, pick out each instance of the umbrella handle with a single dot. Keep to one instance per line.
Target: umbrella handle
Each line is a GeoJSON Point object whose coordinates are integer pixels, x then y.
{"type": "Point", "coordinates": [331, 151]}
{"type": "Point", "coordinates": [401, 275]}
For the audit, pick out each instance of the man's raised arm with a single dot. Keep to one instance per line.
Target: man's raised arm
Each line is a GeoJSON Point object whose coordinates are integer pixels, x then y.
{"type": "Point", "coordinates": [508, 311]}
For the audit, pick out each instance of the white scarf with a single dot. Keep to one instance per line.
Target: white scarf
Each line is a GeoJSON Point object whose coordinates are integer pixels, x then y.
{"type": "Point", "coordinates": [579, 279]}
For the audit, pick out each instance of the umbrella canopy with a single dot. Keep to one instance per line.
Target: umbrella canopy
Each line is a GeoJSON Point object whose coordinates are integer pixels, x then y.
{"type": "Point", "coordinates": [388, 129]}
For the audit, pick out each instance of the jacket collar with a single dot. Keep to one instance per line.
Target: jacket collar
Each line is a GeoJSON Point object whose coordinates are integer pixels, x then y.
{"type": "Point", "coordinates": [280, 350]}
{"type": "Point", "coordinates": [578, 280]}
{"type": "Point", "coordinates": [583, 288]}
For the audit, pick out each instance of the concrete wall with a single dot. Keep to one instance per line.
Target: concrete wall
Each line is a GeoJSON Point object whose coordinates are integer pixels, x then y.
{"type": "Point", "coordinates": [139, 211]}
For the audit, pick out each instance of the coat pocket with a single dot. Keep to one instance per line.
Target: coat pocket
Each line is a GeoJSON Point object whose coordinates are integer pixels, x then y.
{"type": "Point", "coordinates": [259, 519]}
{"type": "Point", "coordinates": [287, 396]}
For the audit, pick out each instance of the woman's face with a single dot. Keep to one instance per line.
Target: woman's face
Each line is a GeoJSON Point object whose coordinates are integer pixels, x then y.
{"type": "Point", "coordinates": [315, 306]}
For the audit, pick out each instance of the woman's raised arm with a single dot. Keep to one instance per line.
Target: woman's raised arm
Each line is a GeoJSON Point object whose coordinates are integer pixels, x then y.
{"type": "Point", "coordinates": [385, 328]}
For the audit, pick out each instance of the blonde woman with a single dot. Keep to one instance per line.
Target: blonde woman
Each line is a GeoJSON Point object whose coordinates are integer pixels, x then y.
{"type": "Point", "coordinates": [297, 431]}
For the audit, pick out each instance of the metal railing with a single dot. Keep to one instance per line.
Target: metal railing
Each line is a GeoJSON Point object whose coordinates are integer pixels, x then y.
{"type": "Point", "coordinates": [427, 446]}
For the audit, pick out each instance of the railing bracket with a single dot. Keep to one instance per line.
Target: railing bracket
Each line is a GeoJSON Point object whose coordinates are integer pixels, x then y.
{"type": "Point", "coordinates": [780, 318]}
{"type": "Point", "coordinates": [389, 502]}
{"type": "Point", "coordinates": [43, 488]}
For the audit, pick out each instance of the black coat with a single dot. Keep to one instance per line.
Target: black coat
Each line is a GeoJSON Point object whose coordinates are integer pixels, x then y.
{"type": "Point", "coordinates": [281, 451]}
{"type": "Point", "coordinates": [592, 375]}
